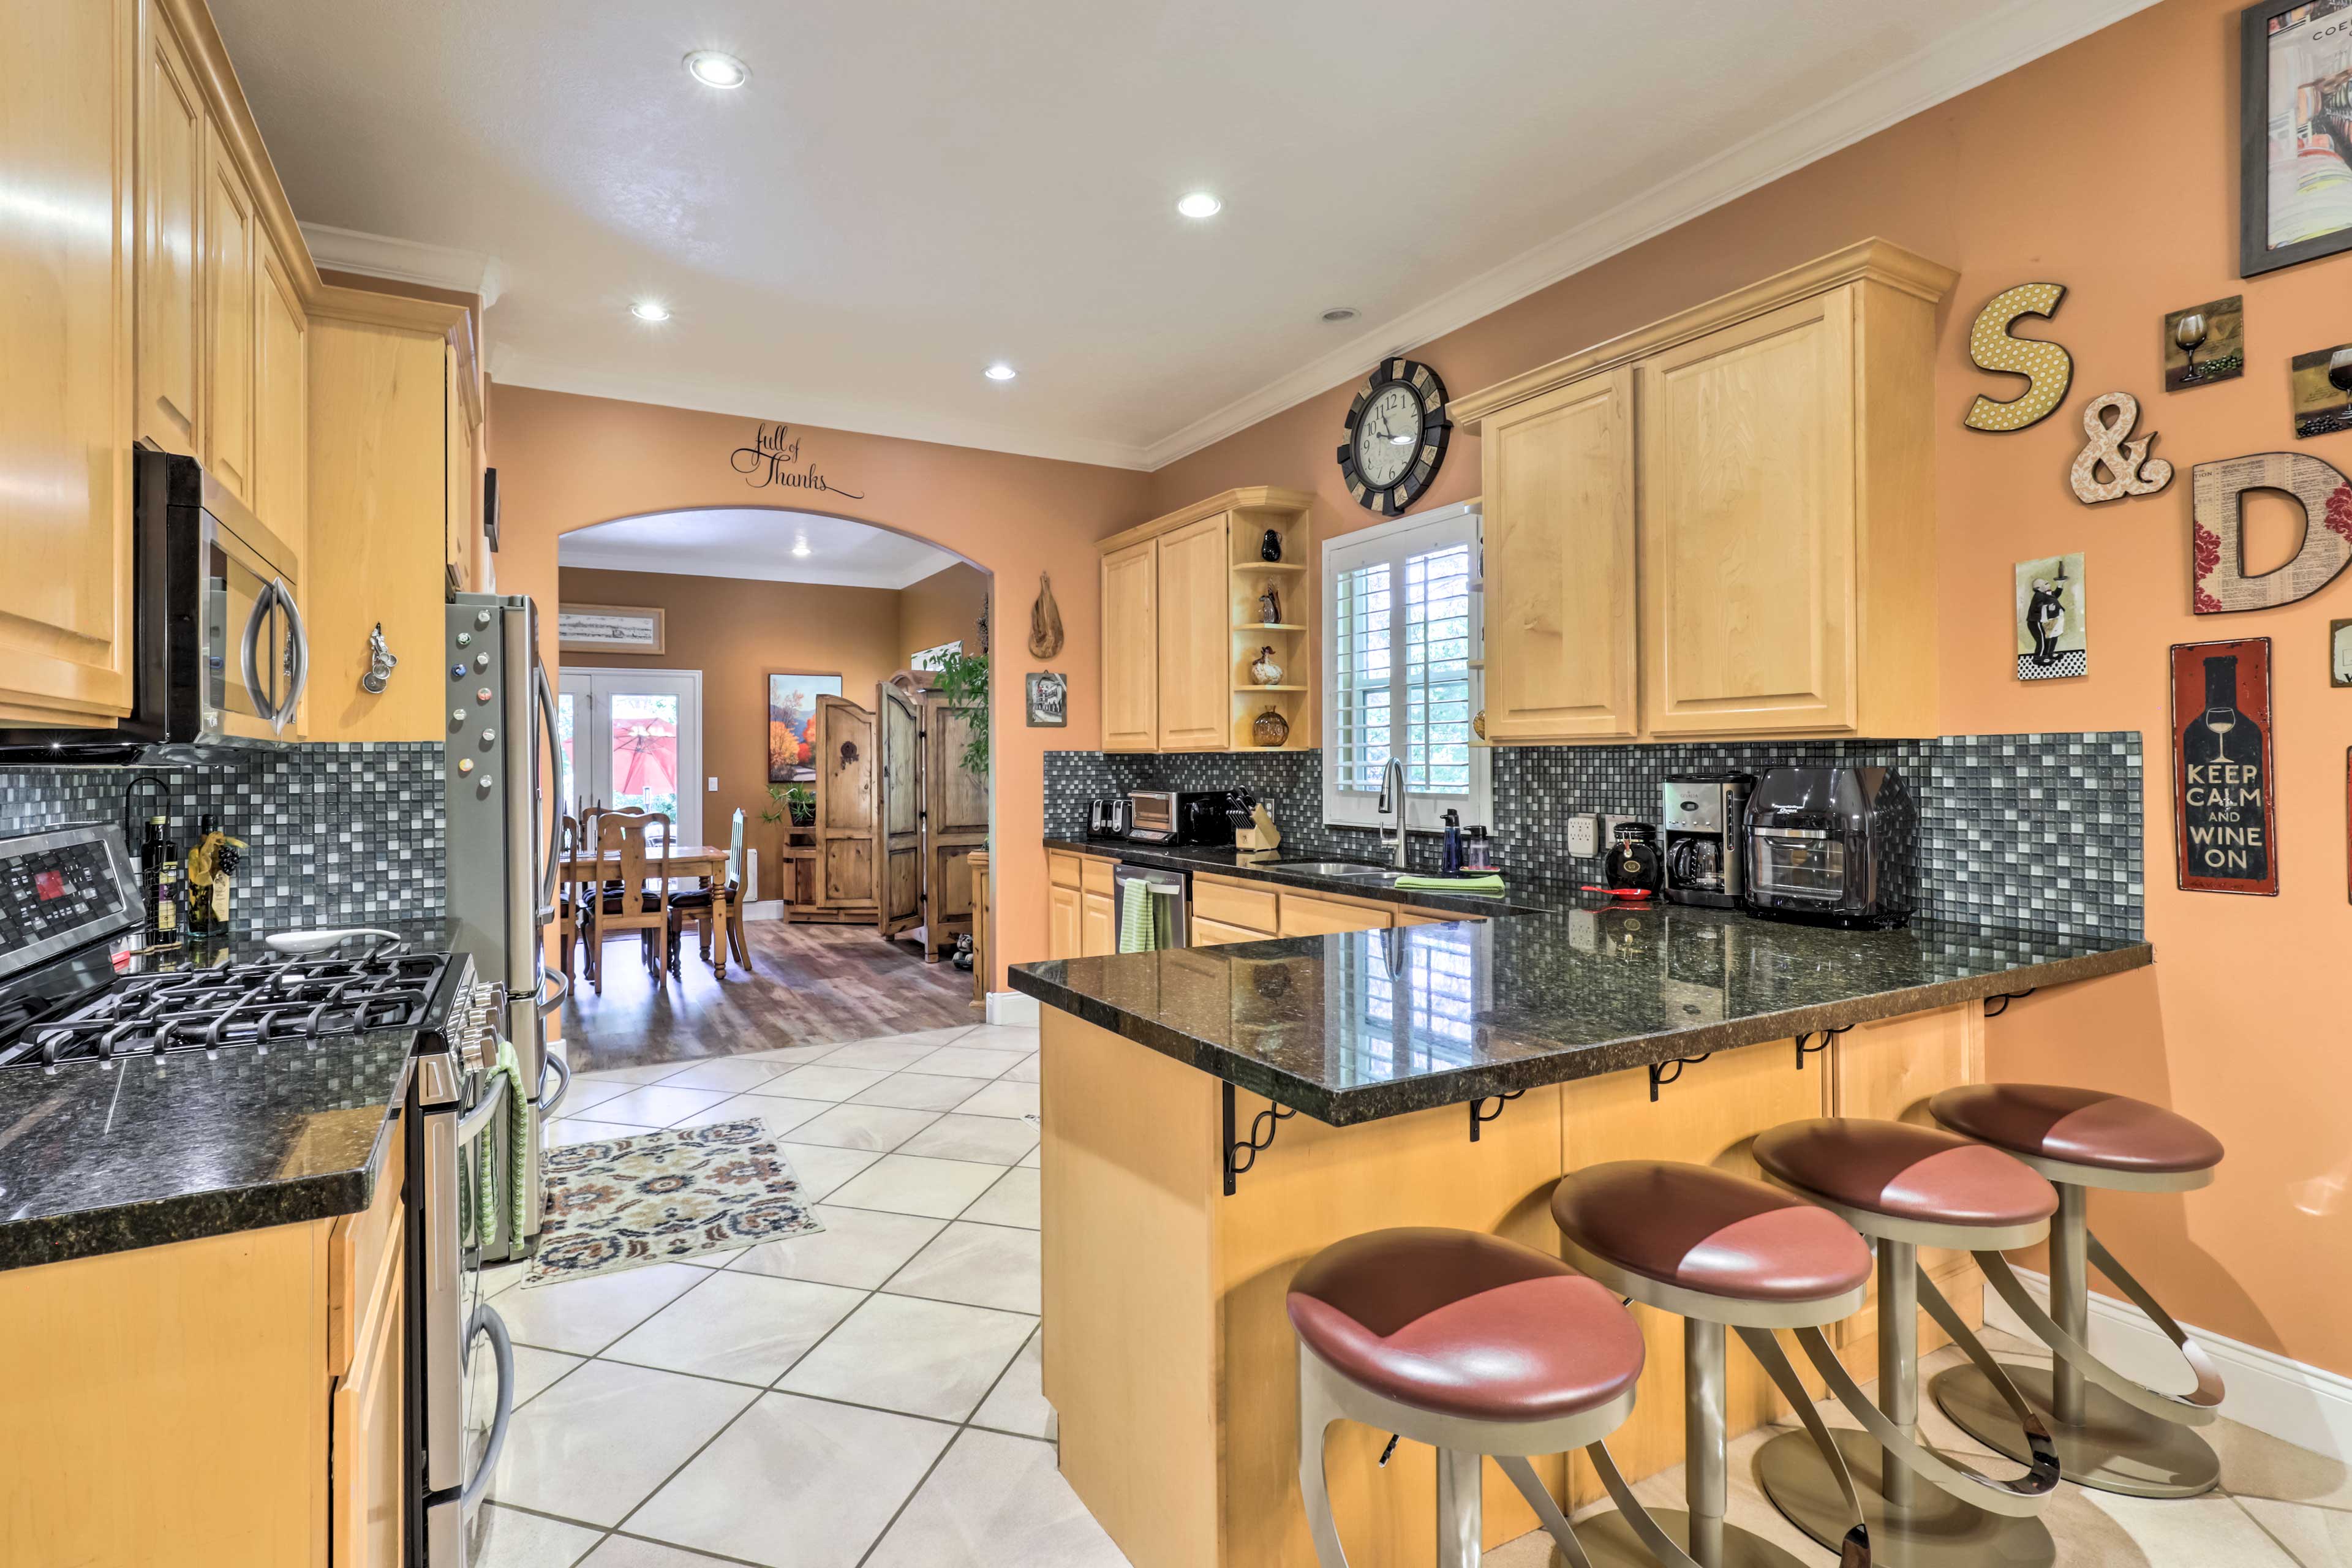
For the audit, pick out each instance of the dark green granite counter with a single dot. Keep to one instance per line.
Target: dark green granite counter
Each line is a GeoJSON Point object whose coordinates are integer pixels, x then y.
{"type": "Point", "coordinates": [96, 1159]}
{"type": "Point", "coordinates": [1557, 985]}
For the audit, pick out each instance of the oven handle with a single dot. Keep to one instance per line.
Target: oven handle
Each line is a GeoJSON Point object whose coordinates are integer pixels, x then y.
{"type": "Point", "coordinates": [299, 660]}
{"type": "Point", "coordinates": [485, 1320]}
{"type": "Point", "coordinates": [563, 1085]}
{"type": "Point", "coordinates": [471, 1125]}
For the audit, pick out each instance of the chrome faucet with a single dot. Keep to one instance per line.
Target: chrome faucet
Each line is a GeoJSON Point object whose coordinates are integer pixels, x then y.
{"type": "Point", "coordinates": [1392, 789]}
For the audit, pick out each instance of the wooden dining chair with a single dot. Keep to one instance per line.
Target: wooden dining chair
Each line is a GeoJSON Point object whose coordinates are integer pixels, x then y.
{"type": "Point", "coordinates": [641, 901]}
{"type": "Point", "coordinates": [567, 908]}
{"type": "Point", "coordinates": [695, 904]}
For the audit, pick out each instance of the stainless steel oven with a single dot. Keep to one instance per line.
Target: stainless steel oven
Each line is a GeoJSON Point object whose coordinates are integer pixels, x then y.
{"type": "Point", "coordinates": [219, 652]}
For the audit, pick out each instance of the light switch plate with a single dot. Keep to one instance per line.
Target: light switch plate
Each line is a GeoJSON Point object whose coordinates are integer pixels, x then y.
{"type": "Point", "coordinates": [714, 787]}
{"type": "Point", "coordinates": [1584, 834]}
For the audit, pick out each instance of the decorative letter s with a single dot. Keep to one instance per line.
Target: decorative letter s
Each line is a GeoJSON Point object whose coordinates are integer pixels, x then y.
{"type": "Point", "coordinates": [2048, 369]}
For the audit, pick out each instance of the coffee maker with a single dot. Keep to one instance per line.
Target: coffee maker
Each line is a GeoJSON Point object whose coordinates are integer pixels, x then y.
{"type": "Point", "coordinates": [1703, 842]}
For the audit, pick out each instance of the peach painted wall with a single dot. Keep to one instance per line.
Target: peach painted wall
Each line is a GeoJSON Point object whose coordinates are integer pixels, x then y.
{"type": "Point", "coordinates": [567, 462]}
{"type": "Point", "coordinates": [945, 607]}
{"type": "Point", "coordinates": [2111, 167]}
{"type": "Point", "coordinates": [735, 630]}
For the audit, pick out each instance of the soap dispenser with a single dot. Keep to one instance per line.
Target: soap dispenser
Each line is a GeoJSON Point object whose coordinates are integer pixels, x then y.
{"type": "Point", "coordinates": [1450, 857]}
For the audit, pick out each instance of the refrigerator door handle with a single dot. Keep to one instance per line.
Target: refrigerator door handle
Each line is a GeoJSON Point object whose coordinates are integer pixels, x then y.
{"type": "Point", "coordinates": [554, 818]}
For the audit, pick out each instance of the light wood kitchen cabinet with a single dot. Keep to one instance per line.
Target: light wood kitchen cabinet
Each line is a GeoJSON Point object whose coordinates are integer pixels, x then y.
{"type": "Point", "coordinates": [1778, 498]}
{"type": "Point", "coordinates": [1131, 648]}
{"type": "Point", "coordinates": [172, 155]}
{"type": "Point", "coordinates": [1314, 914]}
{"type": "Point", "coordinates": [281, 404]}
{"type": "Point", "coordinates": [1205, 932]}
{"type": "Point", "coordinates": [1250, 906]}
{"type": "Point", "coordinates": [1062, 921]}
{"type": "Point", "coordinates": [232, 262]}
{"type": "Point", "coordinates": [1097, 925]}
{"type": "Point", "coordinates": [1560, 543]}
{"type": "Point", "coordinates": [1181, 624]}
{"type": "Point", "coordinates": [368, 1444]}
{"type": "Point", "coordinates": [68, 81]}
{"type": "Point", "coordinates": [1195, 637]}
{"type": "Point", "coordinates": [461, 473]}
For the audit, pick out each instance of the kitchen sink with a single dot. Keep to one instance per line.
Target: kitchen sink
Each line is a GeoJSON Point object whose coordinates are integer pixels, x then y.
{"type": "Point", "coordinates": [1341, 868]}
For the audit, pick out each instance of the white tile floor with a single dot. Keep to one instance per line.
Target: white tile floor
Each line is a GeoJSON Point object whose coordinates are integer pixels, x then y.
{"type": "Point", "coordinates": [867, 1396]}
{"type": "Point", "coordinates": [864, 1394]}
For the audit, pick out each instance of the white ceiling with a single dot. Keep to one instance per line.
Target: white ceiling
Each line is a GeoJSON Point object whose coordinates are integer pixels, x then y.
{"type": "Point", "coordinates": [906, 192]}
{"type": "Point", "coordinates": [747, 541]}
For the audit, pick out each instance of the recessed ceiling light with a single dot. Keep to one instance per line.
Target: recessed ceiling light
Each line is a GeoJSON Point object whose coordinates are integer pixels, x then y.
{"type": "Point", "coordinates": [649, 310]}
{"type": "Point", "coordinates": [1000, 371]}
{"type": "Point", "coordinates": [1339, 313]}
{"type": "Point", "coordinates": [1199, 204]}
{"type": "Point", "coordinates": [715, 67]}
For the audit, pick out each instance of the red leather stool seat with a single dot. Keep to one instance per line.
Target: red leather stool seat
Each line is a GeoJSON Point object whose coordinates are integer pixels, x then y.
{"type": "Point", "coordinates": [1465, 1324]}
{"type": "Point", "coordinates": [1710, 1231]}
{"type": "Point", "coordinates": [2079, 1126]}
{"type": "Point", "coordinates": [1909, 1172]}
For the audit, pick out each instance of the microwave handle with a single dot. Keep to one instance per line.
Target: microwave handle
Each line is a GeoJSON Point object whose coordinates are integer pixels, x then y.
{"type": "Point", "coordinates": [298, 647]}
{"type": "Point", "coordinates": [249, 651]}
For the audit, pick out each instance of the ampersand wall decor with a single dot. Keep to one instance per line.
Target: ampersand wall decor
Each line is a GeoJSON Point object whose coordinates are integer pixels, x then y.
{"type": "Point", "coordinates": [2047, 368]}
{"type": "Point", "coordinates": [2130, 471]}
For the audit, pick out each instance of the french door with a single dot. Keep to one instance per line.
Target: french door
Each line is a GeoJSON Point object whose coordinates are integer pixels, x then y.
{"type": "Point", "coordinates": [632, 740]}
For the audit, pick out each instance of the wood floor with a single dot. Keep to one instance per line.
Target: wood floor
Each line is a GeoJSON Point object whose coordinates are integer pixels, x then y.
{"type": "Point", "coordinates": [807, 986]}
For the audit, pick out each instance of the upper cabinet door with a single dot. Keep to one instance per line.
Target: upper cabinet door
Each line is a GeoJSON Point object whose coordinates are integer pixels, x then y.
{"type": "Point", "coordinates": [1130, 648]}
{"type": "Point", "coordinates": [281, 436]}
{"type": "Point", "coordinates": [232, 236]}
{"type": "Point", "coordinates": [171, 142]}
{"type": "Point", "coordinates": [1195, 639]}
{"type": "Point", "coordinates": [67, 69]}
{"type": "Point", "coordinates": [1559, 570]}
{"type": "Point", "coordinates": [1747, 523]}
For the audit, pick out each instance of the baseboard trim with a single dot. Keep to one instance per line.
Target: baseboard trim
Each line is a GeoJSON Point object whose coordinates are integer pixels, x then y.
{"type": "Point", "coordinates": [1013, 1007]}
{"type": "Point", "coordinates": [2296, 1403]}
{"type": "Point", "coordinates": [765, 910]}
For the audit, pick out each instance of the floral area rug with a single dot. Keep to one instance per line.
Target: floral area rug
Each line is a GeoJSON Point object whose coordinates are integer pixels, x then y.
{"type": "Point", "coordinates": [657, 1197]}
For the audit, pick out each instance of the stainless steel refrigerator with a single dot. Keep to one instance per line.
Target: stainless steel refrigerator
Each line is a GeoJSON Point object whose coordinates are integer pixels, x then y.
{"type": "Point", "coordinates": [504, 834]}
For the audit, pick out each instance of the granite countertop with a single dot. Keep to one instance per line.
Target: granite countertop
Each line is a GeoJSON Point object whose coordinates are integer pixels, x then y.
{"type": "Point", "coordinates": [96, 1159]}
{"type": "Point", "coordinates": [1559, 985]}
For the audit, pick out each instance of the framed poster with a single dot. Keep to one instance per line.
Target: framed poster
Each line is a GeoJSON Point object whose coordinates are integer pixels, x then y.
{"type": "Point", "coordinates": [2224, 809]}
{"type": "Point", "coordinates": [1049, 700]}
{"type": "Point", "coordinates": [2339, 653]}
{"type": "Point", "coordinates": [2294, 132]}
{"type": "Point", "coordinates": [791, 707]}
{"type": "Point", "coordinates": [610, 628]}
{"type": "Point", "coordinates": [2053, 641]}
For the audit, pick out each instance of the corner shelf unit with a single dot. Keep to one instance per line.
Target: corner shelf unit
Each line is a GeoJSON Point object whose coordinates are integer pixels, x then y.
{"type": "Point", "coordinates": [1289, 579]}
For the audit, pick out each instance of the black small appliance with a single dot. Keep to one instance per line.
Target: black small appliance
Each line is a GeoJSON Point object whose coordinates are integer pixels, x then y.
{"type": "Point", "coordinates": [1633, 863]}
{"type": "Point", "coordinates": [1109, 817]}
{"type": "Point", "coordinates": [1835, 846]}
{"type": "Point", "coordinates": [1185, 816]}
{"type": "Point", "coordinates": [1704, 828]}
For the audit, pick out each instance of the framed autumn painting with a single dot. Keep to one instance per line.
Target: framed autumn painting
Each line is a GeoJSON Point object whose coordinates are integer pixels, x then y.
{"type": "Point", "coordinates": [792, 704]}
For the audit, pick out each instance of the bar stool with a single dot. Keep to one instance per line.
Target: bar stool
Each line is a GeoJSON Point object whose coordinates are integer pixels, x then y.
{"type": "Point", "coordinates": [2111, 1433]}
{"type": "Point", "coordinates": [1470, 1343]}
{"type": "Point", "coordinates": [1722, 1251]}
{"type": "Point", "coordinates": [1904, 1187]}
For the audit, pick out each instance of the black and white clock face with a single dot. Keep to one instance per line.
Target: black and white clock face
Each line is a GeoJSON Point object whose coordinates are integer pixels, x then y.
{"type": "Point", "coordinates": [1396, 433]}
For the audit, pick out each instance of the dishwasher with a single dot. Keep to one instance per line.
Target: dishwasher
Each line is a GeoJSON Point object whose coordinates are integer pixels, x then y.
{"type": "Point", "coordinates": [1166, 889]}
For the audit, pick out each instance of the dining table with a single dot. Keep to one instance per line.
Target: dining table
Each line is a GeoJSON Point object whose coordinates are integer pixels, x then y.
{"type": "Point", "coordinates": [706, 861]}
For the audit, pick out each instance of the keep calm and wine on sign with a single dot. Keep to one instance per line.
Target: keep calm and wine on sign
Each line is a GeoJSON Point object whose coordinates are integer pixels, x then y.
{"type": "Point", "coordinates": [2224, 811]}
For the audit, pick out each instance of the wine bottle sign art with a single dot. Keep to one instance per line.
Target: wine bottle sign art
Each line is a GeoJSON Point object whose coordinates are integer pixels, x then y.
{"type": "Point", "coordinates": [2224, 812]}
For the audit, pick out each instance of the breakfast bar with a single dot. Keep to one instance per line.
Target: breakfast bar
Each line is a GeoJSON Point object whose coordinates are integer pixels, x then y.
{"type": "Point", "coordinates": [1214, 1116]}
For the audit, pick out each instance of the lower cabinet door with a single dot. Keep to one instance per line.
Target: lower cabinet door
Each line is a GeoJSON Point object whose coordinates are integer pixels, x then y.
{"type": "Point", "coordinates": [1062, 921]}
{"type": "Point", "coordinates": [1305, 915]}
{"type": "Point", "coordinates": [1216, 933]}
{"type": "Point", "coordinates": [1097, 927]}
{"type": "Point", "coordinates": [369, 1443]}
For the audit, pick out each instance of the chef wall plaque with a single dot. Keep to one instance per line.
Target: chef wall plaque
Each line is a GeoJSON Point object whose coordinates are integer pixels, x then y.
{"type": "Point", "coordinates": [2225, 810]}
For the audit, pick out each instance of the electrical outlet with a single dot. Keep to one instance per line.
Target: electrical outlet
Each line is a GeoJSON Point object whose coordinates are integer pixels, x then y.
{"type": "Point", "coordinates": [1609, 829]}
{"type": "Point", "coordinates": [1584, 834]}
{"type": "Point", "coordinates": [714, 787]}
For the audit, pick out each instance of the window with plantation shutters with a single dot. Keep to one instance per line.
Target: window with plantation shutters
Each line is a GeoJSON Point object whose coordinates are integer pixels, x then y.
{"type": "Point", "coordinates": [1402, 630]}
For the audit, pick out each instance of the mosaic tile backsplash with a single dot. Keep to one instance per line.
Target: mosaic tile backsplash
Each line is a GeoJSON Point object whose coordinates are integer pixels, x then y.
{"type": "Point", "coordinates": [339, 834]}
{"type": "Point", "coordinates": [2040, 832]}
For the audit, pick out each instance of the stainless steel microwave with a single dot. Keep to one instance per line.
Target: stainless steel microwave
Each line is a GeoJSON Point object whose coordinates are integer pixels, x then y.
{"type": "Point", "coordinates": [219, 655]}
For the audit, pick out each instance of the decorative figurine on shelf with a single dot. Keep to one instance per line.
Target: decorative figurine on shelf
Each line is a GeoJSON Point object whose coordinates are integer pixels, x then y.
{"type": "Point", "coordinates": [1270, 547]}
{"type": "Point", "coordinates": [1264, 671]}
{"type": "Point", "coordinates": [1269, 606]}
{"type": "Point", "coordinates": [1271, 729]}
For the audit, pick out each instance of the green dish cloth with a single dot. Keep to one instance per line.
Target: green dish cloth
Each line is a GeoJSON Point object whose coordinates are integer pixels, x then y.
{"type": "Point", "coordinates": [509, 1066]}
{"type": "Point", "coordinates": [1140, 927]}
{"type": "Point", "coordinates": [1486, 884]}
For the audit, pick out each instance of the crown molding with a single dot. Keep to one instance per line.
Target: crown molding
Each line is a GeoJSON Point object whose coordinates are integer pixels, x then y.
{"type": "Point", "coordinates": [2021, 31]}
{"type": "Point", "coordinates": [406, 260]}
{"type": "Point", "coordinates": [510, 366]}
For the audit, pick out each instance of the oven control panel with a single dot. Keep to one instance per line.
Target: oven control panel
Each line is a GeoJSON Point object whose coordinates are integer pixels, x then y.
{"type": "Point", "coordinates": [60, 887]}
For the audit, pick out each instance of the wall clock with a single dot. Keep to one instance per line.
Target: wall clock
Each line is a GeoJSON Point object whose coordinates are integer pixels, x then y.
{"type": "Point", "coordinates": [1397, 431]}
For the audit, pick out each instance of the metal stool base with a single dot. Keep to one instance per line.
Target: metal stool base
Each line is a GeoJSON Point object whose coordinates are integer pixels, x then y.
{"type": "Point", "coordinates": [1609, 1543]}
{"type": "Point", "coordinates": [2117, 1449]}
{"type": "Point", "coordinates": [1938, 1531]}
